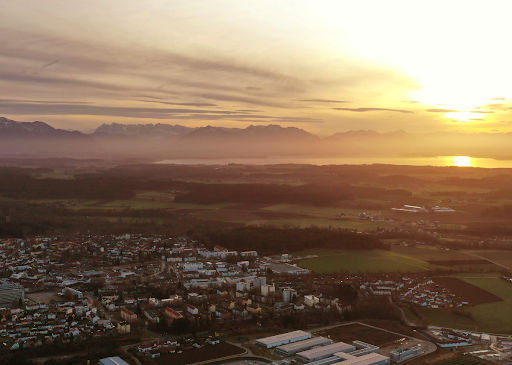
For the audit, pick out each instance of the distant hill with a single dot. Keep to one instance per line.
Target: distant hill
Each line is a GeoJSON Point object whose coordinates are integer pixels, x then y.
{"type": "Point", "coordinates": [161, 141]}
{"type": "Point", "coordinates": [29, 138]}
{"type": "Point", "coordinates": [147, 130]}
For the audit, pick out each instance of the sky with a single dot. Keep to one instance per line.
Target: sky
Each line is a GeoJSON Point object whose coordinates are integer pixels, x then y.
{"type": "Point", "coordinates": [326, 66]}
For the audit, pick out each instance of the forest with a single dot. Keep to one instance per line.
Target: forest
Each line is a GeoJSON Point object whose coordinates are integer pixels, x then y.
{"type": "Point", "coordinates": [270, 240]}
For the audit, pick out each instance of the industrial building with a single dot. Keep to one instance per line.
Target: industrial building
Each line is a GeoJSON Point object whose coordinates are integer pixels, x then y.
{"type": "Point", "coordinates": [360, 350]}
{"type": "Point", "coordinates": [324, 352]}
{"type": "Point", "coordinates": [364, 348]}
{"type": "Point", "coordinates": [369, 359]}
{"type": "Point", "coordinates": [10, 293]}
{"type": "Point", "coordinates": [405, 353]}
{"type": "Point", "coordinates": [116, 360]}
{"type": "Point", "coordinates": [285, 338]}
{"type": "Point", "coordinates": [293, 348]}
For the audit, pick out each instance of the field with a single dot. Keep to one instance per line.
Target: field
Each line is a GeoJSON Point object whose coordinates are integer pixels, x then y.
{"type": "Point", "coordinates": [467, 291]}
{"type": "Point", "coordinates": [494, 317]}
{"type": "Point", "coordinates": [445, 357]}
{"type": "Point", "coordinates": [202, 354]}
{"type": "Point", "coordinates": [280, 215]}
{"type": "Point", "coordinates": [463, 360]}
{"type": "Point", "coordinates": [458, 260]}
{"type": "Point", "coordinates": [45, 297]}
{"type": "Point", "coordinates": [330, 261]}
{"type": "Point", "coordinates": [360, 332]}
{"type": "Point", "coordinates": [503, 258]}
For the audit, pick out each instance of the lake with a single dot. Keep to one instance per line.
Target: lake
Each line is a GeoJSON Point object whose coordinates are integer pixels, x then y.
{"type": "Point", "coordinates": [461, 161]}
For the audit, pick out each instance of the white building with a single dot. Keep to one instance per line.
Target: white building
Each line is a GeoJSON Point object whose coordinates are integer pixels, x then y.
{"type": "Point", "coordinates": [116, 360]}
{"type": "Point", "coordinates": [282, 339]}
{"type": "Point", "coordinates": [289, 294]}
{"type": "Point", "coordinates": [259, 282]}
{"type": "Point", "coordinates": [311, 300]}
{"type": "Point", "coordinates": [268, 289]}
{"type": "Point", "coordinates": [300, 346]}
{"type": "Point", "coordinates": [243, 286]}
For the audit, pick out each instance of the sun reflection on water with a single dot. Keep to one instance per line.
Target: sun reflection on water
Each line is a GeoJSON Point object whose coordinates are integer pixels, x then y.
{"type": "Point", "coordinates": [462, 161]}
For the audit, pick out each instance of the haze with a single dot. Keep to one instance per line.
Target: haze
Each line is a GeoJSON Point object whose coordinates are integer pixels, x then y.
{"type": "Point", "coordinates": [324, 66]}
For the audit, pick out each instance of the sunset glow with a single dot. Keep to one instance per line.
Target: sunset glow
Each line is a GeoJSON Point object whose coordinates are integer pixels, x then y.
{"type": "Point", "coordinates": [332, 66]}
{"type": "Point", "coordinates": [462, 161]}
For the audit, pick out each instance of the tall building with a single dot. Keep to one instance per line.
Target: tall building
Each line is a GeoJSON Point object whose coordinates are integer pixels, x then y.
{"type": "Point", "coordinates": [10, 293]}
{"type": "Point", "coordinates": [267, 290]}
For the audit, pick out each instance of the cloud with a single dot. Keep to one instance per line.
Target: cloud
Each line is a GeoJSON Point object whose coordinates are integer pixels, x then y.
{"type": "Point", "coordinates": [26, 108]}
{"type": "Point", "coordinates": [183, 104]}
{"type": "Point", "coordinates": [506, 121]}
{"type": "Point", "coordinates": [497, 99]}
{"type": "Point", "coordinates": [496, 106]}
{"type": "Point", "coordinates": [240, 99]}
{"type": "Point", "coordinates": [363, 110]}
{"type": "Point", "coordinates": [58, 81]}
{"type": "Point", "coordinates": [481, 111]}
{"type": "Point", "coordinates": [410, 101]}
{"type": "Point", "coordinates": [9, 107]}
{"type": "Point", "coordinates": [476, 119]}
{"type": "Point", "coordinates": [324, 101]}
{"type": "Point", "coordinates": [50, 64]}
{"type": "Point", "coordinates": [495, 130]}
{"type": "Point", "coordinates": [442, 111]}
{"type": "Point", "coordinates": [252, 88]}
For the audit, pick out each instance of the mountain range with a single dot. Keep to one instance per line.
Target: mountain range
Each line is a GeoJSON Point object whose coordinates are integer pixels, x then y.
{"type": "Point", "coordinates": [161, 141]}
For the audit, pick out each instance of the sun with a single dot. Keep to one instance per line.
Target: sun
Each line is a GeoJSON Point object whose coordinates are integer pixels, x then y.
{"type": "Point", "coordinates": [462, 161]}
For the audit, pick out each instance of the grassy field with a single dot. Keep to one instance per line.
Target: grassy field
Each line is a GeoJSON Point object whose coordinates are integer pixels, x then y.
{"type": "Point", "coordinates": [499, 257]}
{"type": "Point", "coordinates": [360, 261]}
{"type": "Point", "coordinates": [432, 253]}
{"type": "Point", "coordinates": [492, 317]}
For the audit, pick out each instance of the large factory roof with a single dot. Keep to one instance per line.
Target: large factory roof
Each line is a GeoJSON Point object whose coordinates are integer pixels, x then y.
{"type": "Point", "coordinates": [369, 359]}
{"type": "Point", "coordinates": [326, 350]}
{"type": "Point", "coordinates": [283, 337]}
{"type": "Point", "coordinates": [298, 346]}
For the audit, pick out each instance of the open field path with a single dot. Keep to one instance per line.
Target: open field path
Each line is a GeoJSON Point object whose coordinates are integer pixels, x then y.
{"type": "Point", "coordinates": [493, 262]}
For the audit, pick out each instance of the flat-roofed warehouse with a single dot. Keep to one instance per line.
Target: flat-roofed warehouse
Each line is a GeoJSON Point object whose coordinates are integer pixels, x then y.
{"type": "Point", "coordinates": [115, 360]}
{"type": "Point", "coordinates": [278, 340]}
{"type": "Point", "coordinates": [368, 359]}
{"type": "Point", "coordinates": [324, 352]}
{"type": "Point", "coordinates": [293, 348]}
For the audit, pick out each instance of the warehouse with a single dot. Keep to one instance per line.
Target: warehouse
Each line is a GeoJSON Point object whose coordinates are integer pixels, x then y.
{"type": "Point", "coordinates": [283, 339]}
{"type": "Point", "coordinates": [364, 348]}
{"type": "Point", "coordinates": [293, 348]}
{"type": "Point", "coordinates": [328, 361]}
{"type": "Point", "coordinates": [369, 359]}
{"type": "Point", "coordinates": [405, 353]}
{"type": "Point", "coordinates": [116, 360]}
{"type": "Point", "coordinates": [324, 352]}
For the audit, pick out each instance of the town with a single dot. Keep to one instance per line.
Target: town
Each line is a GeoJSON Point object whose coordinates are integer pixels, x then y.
{"type": "Point", "coordinates": [85, 288]}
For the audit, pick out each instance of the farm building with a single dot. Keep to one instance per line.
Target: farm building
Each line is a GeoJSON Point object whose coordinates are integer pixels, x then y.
{"type": "Point", "coordinates": [293, 348]}
{"type": "Point", "coordinates": [278, 340]}
{"type": "Point", "coordinates": [324, 352]}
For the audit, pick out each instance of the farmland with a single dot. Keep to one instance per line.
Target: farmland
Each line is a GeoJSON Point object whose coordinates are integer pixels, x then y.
{"type": "Point", "coordinates": [444, 357]}
{"type": "Point", "coordinates": [494, 317]}
{"type": "Point", "coordinates": [472, 293]}
{"type": "Point", "coordinates": [330, 261]}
